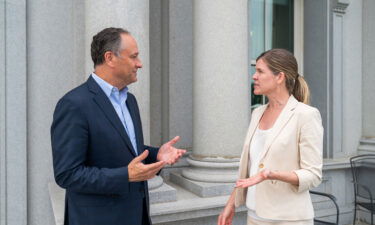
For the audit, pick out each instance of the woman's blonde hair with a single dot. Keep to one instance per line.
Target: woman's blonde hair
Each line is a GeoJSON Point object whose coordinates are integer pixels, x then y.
{"type": "Point", "coordinates": [281, 60]}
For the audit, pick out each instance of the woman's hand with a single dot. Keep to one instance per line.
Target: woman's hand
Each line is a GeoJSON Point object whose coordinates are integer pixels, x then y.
{"type": "Point", "coordinates": [226, 216]}
{"type": "Point", "coordinates": [261, 176]}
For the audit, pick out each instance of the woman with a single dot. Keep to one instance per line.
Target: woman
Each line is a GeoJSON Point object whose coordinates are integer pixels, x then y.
{"type": "Point", "coordinates": [282, 155]}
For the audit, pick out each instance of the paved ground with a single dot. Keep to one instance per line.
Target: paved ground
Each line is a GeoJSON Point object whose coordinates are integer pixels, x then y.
{"type": "Point", "coordinates": [360, 223]}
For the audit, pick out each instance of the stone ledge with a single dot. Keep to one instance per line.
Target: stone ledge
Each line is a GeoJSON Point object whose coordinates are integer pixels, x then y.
{"type": "Point", "coordinates": [188, 206]}
{"type": "Point", "coordinates": [202, 189]}
{"type": "Point", "coordinates": [164, 193]}
{"type": "Point", "coordinates": [335, 164]}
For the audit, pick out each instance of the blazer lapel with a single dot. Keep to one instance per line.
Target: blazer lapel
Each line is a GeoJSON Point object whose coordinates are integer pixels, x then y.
{"type": "Point", "coordinates": [280, 122]}
{"type": "Point", "coordinates": [245, 151]}
{"type": "Point", "coordinates": [106, 106]}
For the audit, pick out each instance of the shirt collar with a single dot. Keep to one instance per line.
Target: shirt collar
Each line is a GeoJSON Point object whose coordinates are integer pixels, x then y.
{"type": "Point", "coordinates": [108, 88]}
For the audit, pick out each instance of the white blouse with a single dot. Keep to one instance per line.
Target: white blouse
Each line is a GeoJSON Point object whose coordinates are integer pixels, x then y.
{"type": "Point", "coordinates": [256, 148]}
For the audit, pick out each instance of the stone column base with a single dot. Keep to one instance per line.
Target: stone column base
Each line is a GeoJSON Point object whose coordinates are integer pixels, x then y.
{"type": "Point", "coordinates": [202, 189]}
{"type": "Point", "coordinates": [212, 170]}
{"type": "Point", "coordinates": [208, 177]}
{"type": "Point", "coordinates": [160, 191]}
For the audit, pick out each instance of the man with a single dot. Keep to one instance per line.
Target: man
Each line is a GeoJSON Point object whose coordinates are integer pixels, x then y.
{"type": "Point", "coordinates": [98, 152]}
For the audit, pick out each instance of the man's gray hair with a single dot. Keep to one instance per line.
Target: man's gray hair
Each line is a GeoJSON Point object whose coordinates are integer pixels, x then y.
{"type": "Point", "coordinates": [106, 40]}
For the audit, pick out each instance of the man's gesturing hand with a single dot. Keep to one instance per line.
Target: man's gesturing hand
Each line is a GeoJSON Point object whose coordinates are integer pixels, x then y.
{"type": "Point", "coordinates": [140, 172]}
{"type": "Point", "coordinates": [170, 154]}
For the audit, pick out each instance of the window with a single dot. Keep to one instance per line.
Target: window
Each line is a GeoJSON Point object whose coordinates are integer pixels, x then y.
{"type": "Point", "coordinates": [274, 24]}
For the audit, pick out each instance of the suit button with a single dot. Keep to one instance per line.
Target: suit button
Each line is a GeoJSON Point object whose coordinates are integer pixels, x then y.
{"type": "Point", "coordinates": [261, 165]}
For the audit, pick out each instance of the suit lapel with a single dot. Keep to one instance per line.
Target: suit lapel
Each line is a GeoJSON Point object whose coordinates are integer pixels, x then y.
{"type": "Point", "coordinates": [106, 106]}
{"type": "Point", "coordinates": [280, 122]}
{"type": "Point", "coordinates": [137, 129]}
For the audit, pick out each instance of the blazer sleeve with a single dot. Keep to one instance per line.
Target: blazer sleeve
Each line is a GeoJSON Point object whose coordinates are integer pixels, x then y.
{"type": "Point", "coordinates": [311, 151]}
{"type": "Point", "coordinates": [69, 139]}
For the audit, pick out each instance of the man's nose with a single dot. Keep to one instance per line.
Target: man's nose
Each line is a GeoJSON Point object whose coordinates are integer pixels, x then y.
{"type": "Point", "coordinates": [139, 64]}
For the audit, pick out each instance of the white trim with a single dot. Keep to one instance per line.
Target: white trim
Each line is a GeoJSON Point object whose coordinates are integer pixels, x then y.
{"type": "Point", "coordinates": [337, 85]}
{"type": "Point", "coordinates": [298, 33]}
{"type": "Point", "coordinates": [3, 197]}
{"type": "Point", "coordinates": [268, 14]}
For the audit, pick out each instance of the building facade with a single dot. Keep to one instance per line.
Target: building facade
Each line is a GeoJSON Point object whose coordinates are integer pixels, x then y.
{"type": "Point", "coordinates": [195, 82]}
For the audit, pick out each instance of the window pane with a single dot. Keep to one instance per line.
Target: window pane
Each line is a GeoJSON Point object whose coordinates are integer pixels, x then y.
{"type": "Point", "coordinates": [257, 31]}
{"type": "Point", "coordinates": [271, 27]}
{"type": "Point", "coordinates": [282, 28]}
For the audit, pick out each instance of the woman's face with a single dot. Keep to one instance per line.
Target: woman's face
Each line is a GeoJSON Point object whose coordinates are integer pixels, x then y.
{"type": "Point", "coordinates": [265, 81]}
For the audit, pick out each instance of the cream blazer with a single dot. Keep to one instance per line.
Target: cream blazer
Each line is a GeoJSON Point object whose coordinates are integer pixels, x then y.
{"type": "Point", "coordinates": [295, 143]}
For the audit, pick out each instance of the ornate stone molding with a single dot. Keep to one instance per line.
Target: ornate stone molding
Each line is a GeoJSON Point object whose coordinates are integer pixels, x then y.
{"type": "Point", "coordinates": [340, 6]}
{"type": "Point", "coordinates": [366, 146]}
{"type": "Point", "coordinates": [212, 170]}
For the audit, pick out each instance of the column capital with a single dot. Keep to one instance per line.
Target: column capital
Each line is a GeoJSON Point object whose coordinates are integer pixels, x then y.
{"type": "Point", "coordinates": [340, 6]}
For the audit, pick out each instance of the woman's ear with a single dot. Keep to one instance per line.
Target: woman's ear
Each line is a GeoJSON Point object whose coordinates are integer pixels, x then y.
{"type": "Point", "coordinates": [281, 77]}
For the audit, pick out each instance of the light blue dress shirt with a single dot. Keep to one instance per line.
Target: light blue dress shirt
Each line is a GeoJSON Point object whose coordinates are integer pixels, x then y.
{"type": "Point", "coordinates": [118, 100]}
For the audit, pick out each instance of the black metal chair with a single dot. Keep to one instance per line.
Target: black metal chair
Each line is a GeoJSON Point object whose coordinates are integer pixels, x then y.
{"type": "Point", "coordinates": [332, 198]}
{"type": "Point", "coordinates": [363, 171]}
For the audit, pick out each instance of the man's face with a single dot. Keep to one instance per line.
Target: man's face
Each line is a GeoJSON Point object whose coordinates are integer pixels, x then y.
{"type": "Point", "coordinates": [127, 63]}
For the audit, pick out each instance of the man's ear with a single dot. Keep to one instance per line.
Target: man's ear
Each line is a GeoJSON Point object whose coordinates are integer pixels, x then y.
{"type": "Point", "coordinates": [109, 58]}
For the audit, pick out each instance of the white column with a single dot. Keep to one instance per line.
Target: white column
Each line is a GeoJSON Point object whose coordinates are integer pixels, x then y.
{"type": "Point", "coordinates": [368, 57]}
{"type": "Point", "coordinates": [13, 113]}
{"type": "Point", "coordinates": [55, 65]}
{"type": "Point", "coordinates": [132, 15]}
{"type": "Point", "coordinates": [221, 89]}
{"type": "Point", "coordinates": [337, 79]}
{"type": "Point", "coordinates": [367, 144]}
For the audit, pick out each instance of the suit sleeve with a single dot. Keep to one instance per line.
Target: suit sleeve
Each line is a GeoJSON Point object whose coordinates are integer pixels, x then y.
{"type": "Point", "coordinates": [153, 152]}
{"type": "Point", "coordinates": [311, 149]}
{"type": "Point", "coordinates": [70, 138]}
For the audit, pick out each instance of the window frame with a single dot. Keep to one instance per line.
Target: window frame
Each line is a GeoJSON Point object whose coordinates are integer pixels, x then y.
{"type": "Point", "coordinates": [298, 37]}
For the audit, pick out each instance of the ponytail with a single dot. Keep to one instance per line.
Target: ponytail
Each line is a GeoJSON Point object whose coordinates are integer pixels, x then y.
{"type": "Point", "coordinates": [281, 60]}
{"type": "Point", "coordinates": [301, 90]}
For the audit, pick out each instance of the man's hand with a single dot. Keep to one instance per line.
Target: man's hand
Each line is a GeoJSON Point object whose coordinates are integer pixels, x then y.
{"type": "Point", "coordinates": [140, 172]}
{"type": "Point", "coordinates": [261, 176]}
{"type": "Point", "coordinates": [170, 154]}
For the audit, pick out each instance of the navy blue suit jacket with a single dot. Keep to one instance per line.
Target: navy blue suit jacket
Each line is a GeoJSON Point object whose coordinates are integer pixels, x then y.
{"type": "Point", "coordinates": [91, 152]}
